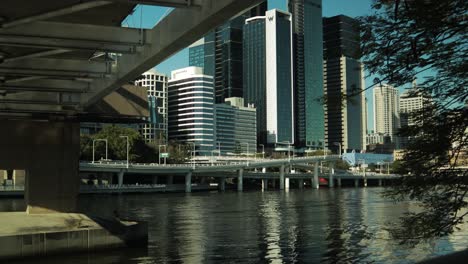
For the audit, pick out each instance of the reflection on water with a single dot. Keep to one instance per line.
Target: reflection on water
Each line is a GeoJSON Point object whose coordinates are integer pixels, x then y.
{"type": "Point", "coordinates": [309, 226]}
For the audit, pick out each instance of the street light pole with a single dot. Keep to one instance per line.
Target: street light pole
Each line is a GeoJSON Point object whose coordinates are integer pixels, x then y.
{"type": "Point", "coordinates": [97, 140]}
{"type": "Point", "coordinates": [263, 150]}
{"type": "Point", "coordinates": [128, 148]}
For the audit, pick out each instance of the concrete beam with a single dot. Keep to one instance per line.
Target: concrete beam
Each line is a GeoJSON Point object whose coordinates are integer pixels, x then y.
{"type": "Point", "coordinates": [175, 32]}
{"type": "Point", "coordinates": [46, 85]}
{"type": "Point", "coordinates": [55, 35]}
{"type": "Point", "coordinates": [55, 13]}
{"type": "Point", "coordinates": [168, 3]}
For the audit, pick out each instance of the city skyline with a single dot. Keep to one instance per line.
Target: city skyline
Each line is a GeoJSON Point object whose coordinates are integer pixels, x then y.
{"type": "Point", "coordinates": [148, 16]}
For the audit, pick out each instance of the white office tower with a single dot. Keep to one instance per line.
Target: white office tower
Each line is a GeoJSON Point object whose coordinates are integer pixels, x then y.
{"type": "Point", "coordinates": [268, 76]}
{"type": "Point", "coordinates": [386, 111]}
{"type": "Point", "coordinates": [411, 100]}
{"type": "Point", "coordinates": [190, 109]}
{"type": "Point", "coordinates": [156, 84]}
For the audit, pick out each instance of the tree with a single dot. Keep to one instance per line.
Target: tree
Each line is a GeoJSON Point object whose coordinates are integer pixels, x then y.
{"type": "Point", "coordinates": [403, 39]}
{"type": "Point", "coordinates": [139, 151]}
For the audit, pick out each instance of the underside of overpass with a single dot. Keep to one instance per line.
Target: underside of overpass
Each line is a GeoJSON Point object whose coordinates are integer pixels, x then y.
{"type": "Point", "coordinates": [59, 58]}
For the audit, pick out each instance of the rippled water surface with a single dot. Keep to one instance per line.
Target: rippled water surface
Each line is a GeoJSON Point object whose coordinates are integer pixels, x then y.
{"type": "Point", "coordinates": [309, 226]}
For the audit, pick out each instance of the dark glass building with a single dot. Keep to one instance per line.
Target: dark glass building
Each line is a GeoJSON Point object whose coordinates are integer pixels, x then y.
{"type": "Point", "coordinates": [308, 72]}
{"type": "Point", "coordinates": [344, 84]}
{"type": "Point", "coordinates": [222, 49]}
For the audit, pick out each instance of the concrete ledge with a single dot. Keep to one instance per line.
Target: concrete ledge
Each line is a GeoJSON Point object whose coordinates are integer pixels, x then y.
{"type": "Point", "coordinates": [23, 235]}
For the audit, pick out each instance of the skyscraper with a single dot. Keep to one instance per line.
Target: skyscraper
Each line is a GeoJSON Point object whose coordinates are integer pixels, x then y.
{"type": "Point", "coordinates": [386, 111]}
{"type": "Point", "coordinates": [222, 49]}
{"type": "Point", "coordinates": [268, 76]}
{"type": "Point", "coordinates": [156, 84]}
{"type": "Point", "coordinates": [308, 69]}
{"type": "Point", "coordinates": [411, 101]}
{"type": "Point", "coordinates": [190, 109]}
{"type": "Point", "coordinates": [345, 118]}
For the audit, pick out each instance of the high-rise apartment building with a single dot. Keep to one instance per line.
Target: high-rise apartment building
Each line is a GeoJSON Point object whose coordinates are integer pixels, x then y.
{"type": "Point", "coordinates": [386, 111]}
{"type": "Point", "coordinates": [308, 69]}
{"type": "Point", "coordinates": [156, 85]}
{"type": "Point", "coordinates": [236, 128]}
{"type": "Point", "coordinates": [345, 115]}
{"type": "Point", "coordinates": [411, 101]}
{"type": "Point", "coordinates": [268, 75]}
{"type": "Point", "coordinates": [222, 51]}
{"type": "Point", "coordinates": [190, 109]}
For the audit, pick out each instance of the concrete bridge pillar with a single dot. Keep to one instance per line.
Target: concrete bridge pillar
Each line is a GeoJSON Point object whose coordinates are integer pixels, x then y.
{"type": "Point", "coordinates": [155, 179]}
{"type": "Point", "coordinates": [48, 152]}
{"type": "Point", "coordinates": [188, 182]}
{"type": "Point", "coordinates": [380, 182]}
{"type": "Point", "coordinates": [286, 183]}
{"type": "Point", "coordinates": [315, 181]}
{"type": "Point", "coordinates": [331, 171]}
{"type": "Point", "coordinates": [240, 178]}
{"type": "Point", "coordinates": [120, 176]}
{"type": "Point", "coordinates": [273, 183]}
{"type": "Point", "coordinates": [170, 179]}
{"type": "Point", "coordinates": [356, 183]}
{"type": "Point", "coordinates": [338, 182]}
{"type": "Point", "coordinates": [264, 184]}
{"type": "Point", "coordinates": [300, 184]}
{"type": "Point", "coordinates": [263, 170]}
{"type": "Point", "coordinates": [365, 181]}
{"type": "Point", "coordinates": [222, 184]}
{"type": "Point", "coordinates": [281, 177]}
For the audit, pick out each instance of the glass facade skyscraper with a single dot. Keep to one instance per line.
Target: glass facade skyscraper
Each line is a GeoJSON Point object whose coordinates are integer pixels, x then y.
{"type": "Point", "coordinates": [308, 69]}
{"type": "Point", "coordinates": [190, 109]}
{"type": "Point", "coordinates": [223, 55]}
{"type": "Point", "coordinates": [268, 81]}
{"type": "Point", "coordinates": [345, 118]}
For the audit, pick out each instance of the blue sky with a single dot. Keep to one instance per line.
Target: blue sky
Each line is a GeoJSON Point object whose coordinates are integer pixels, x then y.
{"type": "Point", "coordinates": [149, 16]}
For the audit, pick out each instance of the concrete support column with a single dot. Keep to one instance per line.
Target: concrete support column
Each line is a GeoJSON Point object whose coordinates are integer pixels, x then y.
{"type": "Point", "coordinates": [273, 184]}
{"type": "Point", "coordinates": [188, 182]}
{"type": "Point", "coordinates": [170, 179]}
{"type": "Point", "coordinates": [331, 172]}
{"type": "Point", "coordinates": [155, 179]}
{"type": "Point", "coordinates": [338, 181]}
{"type": "Point", "coordinates": [281, 177]}
{"type": "Point", "coordinates": [380, 182]}
{"type": "Point", "coordinates": [356, 183]}
{"type": "Point", "coordinates": [264, 184]}
{"type": "Point", "coordinates": [365, 181]}
{"type": "Point", "coordinates": [49, 153]}
{"type": "Point", "coordinates": [315, 182]}
{"type": "Point", "coordinates": [120, 177]}
{"type": "Point", "coordinates": [240, 178]}
{"type": "Point", "coordinates": [286, 183]}
{"type": "Point", "coordinates": [222, 184]}
{"type": "Point", "coordinates": [300, 184]}
{"type": "Point", "coordinates": [263, 170]}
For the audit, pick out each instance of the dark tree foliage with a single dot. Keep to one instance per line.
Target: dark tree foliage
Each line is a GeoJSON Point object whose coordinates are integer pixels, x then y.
{"type": "Point", "coordinates": [407, 38]}
{"type": "Point", "coordinates": [139, 151]}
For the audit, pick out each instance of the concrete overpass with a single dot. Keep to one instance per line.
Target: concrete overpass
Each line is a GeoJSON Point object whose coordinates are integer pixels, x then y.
{"type": "Point", "coordinates": [240, 171]}
{"type": "Point", "coordinates": [57, 58]}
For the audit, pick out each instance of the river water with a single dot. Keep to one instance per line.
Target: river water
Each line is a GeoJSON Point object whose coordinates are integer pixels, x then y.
{"type": "Point", "coordinates": [300, 226]}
